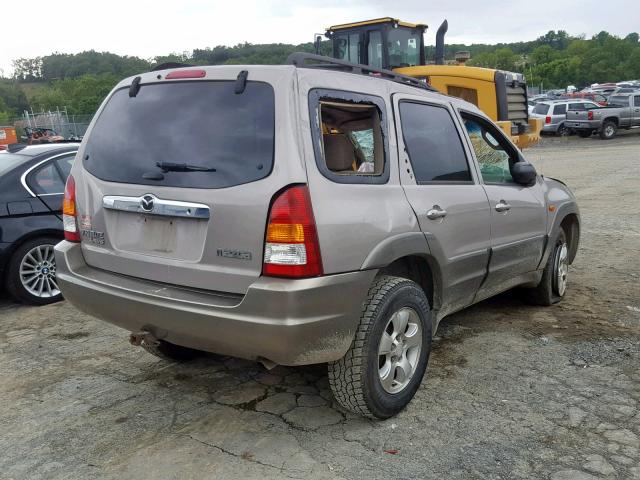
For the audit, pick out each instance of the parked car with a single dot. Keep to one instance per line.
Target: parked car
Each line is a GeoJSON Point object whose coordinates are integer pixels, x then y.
{"type": "Point", "coordinates": [32, 182]}
{"type": "Point", "coordinates": [376, 207]}
{"type": "Point", "coordinates": [623, 111]}
{"type": "Point", "coordinates": [554, 114]}
{"type": "Point", "coordinates": [594, 97]}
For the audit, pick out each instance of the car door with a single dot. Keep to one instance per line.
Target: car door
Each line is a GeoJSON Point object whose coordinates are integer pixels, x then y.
{"type": "Point", "coordinates": [518, 213]}
{"type": "Point", "coordinates": [46, 181]}
{"type": "Point", "coordinates": [636, 109]}
{"type": "Point", "coordinates": [442, 187]}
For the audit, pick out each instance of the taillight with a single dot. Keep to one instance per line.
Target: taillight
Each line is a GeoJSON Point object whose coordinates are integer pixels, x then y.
{"type": "Point", "coordinates": [547, 120]}
{"type": "Point", "coordinates": [590, 115]}
{"type": "Point", "coordinates": [69, 222]}
{"type": "Point", "coordinates": [292, 248]}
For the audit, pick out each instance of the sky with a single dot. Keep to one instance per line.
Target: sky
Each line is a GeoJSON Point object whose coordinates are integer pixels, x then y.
{"type": "Point", "coordinates": [147, 28]}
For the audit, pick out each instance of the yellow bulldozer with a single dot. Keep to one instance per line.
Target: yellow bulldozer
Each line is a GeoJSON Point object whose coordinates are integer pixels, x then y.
{"type": "Point", "coordinates": [391, 44]}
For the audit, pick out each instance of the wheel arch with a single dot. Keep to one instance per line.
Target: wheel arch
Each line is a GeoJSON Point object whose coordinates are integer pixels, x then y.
{"type": "Point", "coordinates": [571, 226]}
{"type": "Point", "coordinates": [408, 255]}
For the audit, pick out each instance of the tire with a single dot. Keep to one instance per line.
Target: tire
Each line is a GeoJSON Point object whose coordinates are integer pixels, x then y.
{"type": "Point", "coordinates": [608, 130]}
{"type": "Point", "coordinates": [357, 378]}
{"type": "Point", "coordinates": [170, 351]}
{"type": "Point", "coordinates": [562, 131]}
{"type": "Point", "coordinates": [552, 287]}
{"type": "Point", "coordinates": [31, 272]}
{"type": "Point", "coordinates": [585, 133]}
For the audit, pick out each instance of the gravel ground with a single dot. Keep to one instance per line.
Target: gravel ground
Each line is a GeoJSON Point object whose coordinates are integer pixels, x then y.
{"type": "Point", "coordinates": [512, 391]}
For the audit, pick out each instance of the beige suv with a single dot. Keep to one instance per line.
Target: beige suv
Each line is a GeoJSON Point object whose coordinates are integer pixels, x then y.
{"type": "Point", "coordinates": [316, 212]}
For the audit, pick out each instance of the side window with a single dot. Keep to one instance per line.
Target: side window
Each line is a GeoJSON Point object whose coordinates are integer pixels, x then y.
{"type": "Point", "coordinates": [577, 106]}
{"type": "Point", "coordinates": [65, 164]}
{"type": "Point", "coordinates": [493, 158]}
{"type": "Point", "coordinates": [433, 144]}
{"type": "Point", "coordinates": [560, 109]}
{"type": "Point", "coordinates": [348, 47]}
{"type": "Point", "coordinates": [374, 50]}
{"type": "Point", "coordinates": [349, 138]}
{"type": "Point", "coordinates": [636, 101]}
{"type": "Point", "coordinates": [46, 180]}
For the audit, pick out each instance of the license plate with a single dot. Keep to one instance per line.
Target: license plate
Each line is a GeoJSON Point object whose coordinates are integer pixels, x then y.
{"type": "Point", "coordinates": [577, 124]}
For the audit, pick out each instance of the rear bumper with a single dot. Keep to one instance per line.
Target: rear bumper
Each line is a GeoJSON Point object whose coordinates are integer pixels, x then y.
{"type": "Point", "coordinates": [289, 322]}
{"type": "Point", "coordinates": [583, 124]}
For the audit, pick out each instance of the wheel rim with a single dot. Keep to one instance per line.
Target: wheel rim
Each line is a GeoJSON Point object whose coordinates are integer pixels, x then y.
{"type": "Point", "coordinates": [608, 131]}
{"type": "Point", "coordinates": [399, 350]}
{"type": "Point", "coordinates": [38, 272]}
{"type": "Point", "coordinates": [561, 269]}
{"type": "Point", "coordinates": [562, 131]}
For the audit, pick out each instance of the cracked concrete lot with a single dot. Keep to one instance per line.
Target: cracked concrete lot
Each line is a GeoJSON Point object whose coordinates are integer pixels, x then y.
{"type": "Point", "coordinates": [511, 392]}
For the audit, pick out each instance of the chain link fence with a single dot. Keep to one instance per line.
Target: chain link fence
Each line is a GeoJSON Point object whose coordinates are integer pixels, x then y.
{"type": "Point", "coordinates": [71, 127]}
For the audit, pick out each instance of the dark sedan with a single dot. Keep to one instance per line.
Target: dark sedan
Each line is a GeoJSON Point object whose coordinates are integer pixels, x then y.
{"type": "Point", "coordinates": [32, 180]}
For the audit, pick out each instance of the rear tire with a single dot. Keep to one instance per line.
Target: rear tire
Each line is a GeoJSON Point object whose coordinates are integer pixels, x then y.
{"type": "Point", "coordinates": [385, 364]}
{"type": "Point", "coordinates": [585, 133]}
{"type": "Point", "coordinates": [552, 287]}
{"type": "Point", "coordinates": [608, 130]}
{"type": "Point", "coordinates": [31, 272]}
{"type": "Point", "coordinates": [171, 352]}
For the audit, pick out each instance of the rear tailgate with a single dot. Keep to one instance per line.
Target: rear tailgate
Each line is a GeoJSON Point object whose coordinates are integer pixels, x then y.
{"type": "Point", "coordinates": [176, 180]}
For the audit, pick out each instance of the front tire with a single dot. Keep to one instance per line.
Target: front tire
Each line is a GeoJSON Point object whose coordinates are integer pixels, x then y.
{"type": "Point", "coordinates": [562, 131]}
{"type": "Point", "coordinates": [384, 366]}
{"type": "Point", "coordinates": [31, 272]}
{"type": "Point", "coordinates": [553, 285]}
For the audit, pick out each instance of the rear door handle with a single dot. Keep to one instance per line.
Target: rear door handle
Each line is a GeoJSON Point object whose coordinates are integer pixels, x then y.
{"type": "Point", "coordinates": [502, 206]}
{"type": "Point", "coordinates": [436, 212]}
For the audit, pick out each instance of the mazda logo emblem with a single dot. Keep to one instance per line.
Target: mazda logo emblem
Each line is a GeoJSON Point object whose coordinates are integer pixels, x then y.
{"type": "Point", "coordinates": [146, 203]}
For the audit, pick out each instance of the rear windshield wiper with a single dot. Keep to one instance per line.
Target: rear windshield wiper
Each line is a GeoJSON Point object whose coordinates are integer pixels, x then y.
{"type": "Point", "coordinates": [183, 167]}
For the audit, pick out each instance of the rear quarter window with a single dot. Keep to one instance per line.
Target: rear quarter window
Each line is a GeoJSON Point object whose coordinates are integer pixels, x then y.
{"type": "Point", "coordinates": [198, 123]}
{"type": "Point", "coordinates": [541, 108]}
{"type": "Point", "coordinates": [560, 109]}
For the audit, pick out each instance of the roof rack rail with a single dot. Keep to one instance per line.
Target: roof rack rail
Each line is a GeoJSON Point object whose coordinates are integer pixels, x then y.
{"type": "Point", "coordinates": [310, 60]}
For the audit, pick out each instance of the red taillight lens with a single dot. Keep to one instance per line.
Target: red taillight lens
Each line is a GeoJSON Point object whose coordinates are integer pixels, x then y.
{"type": "Point", "coordinates": [69, 222]}
{"type": "Point", "coordinates": [291, 248]}
{"type": "Point", "coordinates": [547, 120]}
{"type": "Point", "coordinates": [590, 115]}
{"type": "Point", "coordinates": [186, 74]}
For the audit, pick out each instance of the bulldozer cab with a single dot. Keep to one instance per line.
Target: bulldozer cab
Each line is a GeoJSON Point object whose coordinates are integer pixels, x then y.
{"type": "Point", "coordinates": [386, 43]}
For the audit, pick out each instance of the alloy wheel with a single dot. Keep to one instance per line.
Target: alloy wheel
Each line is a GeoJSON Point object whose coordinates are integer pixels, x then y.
{"type": "Point", "coordinates": [399, 350]}
{"type": "Point", "coordinates": [561, 270]}
{"type": "Point", "coordinates": [38, 272]}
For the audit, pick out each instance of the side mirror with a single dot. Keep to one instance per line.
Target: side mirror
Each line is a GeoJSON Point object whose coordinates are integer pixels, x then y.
{"type": "Point", "coordinates": [524, 173]}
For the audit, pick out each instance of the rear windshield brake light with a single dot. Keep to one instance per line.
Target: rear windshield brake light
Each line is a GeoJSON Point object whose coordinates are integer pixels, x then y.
{"type": "Point", "coordinates": [186, 74]}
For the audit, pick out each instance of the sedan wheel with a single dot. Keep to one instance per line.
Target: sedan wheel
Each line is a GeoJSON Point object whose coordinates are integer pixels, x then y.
{"type": "Point", "coordinates": [38, 272]}
{"type": "Point", "coordinates": [31, 274]}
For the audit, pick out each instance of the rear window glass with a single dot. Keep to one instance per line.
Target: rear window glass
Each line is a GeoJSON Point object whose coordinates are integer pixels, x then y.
{"type": "Point", "coordinates": [619, 101]}
{"type": "Point", "coordinates": [541, 108]}
{"type": "Point", "coordinates": [11, 160]}
{"type": "Point", "coordinates": [223, 138]}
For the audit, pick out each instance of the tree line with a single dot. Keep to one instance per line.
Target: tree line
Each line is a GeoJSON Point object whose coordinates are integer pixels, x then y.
{"type": "Point", "coordinates": [80, 81]}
